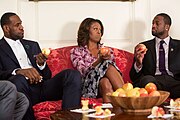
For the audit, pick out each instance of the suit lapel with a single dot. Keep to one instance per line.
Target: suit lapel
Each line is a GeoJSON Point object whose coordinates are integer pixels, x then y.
{"type": "Point", "coordinates": [7, 49]}
{"type": "Point", "coordinates": [28, 50]}
{"type": "Point", "coordinates": [172, 50]}
{"type": "Point", "coordinates": [152, 49]}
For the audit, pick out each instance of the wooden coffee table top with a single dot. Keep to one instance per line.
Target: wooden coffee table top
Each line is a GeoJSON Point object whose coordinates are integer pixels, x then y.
{"type": "Point", "coordinates": [119, 115]}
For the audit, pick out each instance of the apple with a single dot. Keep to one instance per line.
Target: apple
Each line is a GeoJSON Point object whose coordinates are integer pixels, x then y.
{"type": "Point", "coordinates": [161, 111]}
{"type": "Point", "coordinates": [150, 87]}
{"type": "Point", "coordinates": [141, 47]}
{"type": "Point", "coordinates": [104, 50]}
{"type": "Point", "coordinates": [143, 92]}
{"type": "Point", "coordinates": [115, 93]}
{"type": "Point", "coordinates": [46, 51]}
{"type": "Point", "coordinates": [157, 111]}
{"type": "Point", "coordinates": [144, 95]}
{"type": "Point", "coordinates": [137, 88]}
{"type": "Point", "coordinates": [172, 103]}
{"type": "Point", "coordinates": [154, 93]}
{"type": "Point", "coordinates": [177, 100]}
{"type": "Point", "coordinates": [122, 92]}
{"type": "Point", "coordinates": [133, 93]}
{"type": "Point", "coordinates": [99, 111]}
{"type": "Point", "coordinates": [127, 86]}
{"type": "Point", "coordinates": [85, 104]}
{"type": "Point", "coordinates": [107, 112]}
{"type": "Point", "coordinates": [175, 103]}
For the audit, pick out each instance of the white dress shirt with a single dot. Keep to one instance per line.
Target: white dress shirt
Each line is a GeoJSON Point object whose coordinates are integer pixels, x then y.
{"type": "Point", "coordinates": [21, 55]}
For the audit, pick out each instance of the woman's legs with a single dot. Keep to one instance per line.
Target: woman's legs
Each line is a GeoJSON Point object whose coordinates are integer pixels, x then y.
{"type": "Point", "coordinates": [114, 77]}
{"type": "Point", "coordinates": [104, 88]}
{"type": "Point", "coordinates": [111, 82]}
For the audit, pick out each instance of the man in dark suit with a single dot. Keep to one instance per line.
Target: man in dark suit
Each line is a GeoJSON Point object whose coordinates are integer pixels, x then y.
{"type": "Point", "coordinates": [22, 63]}
{"type": "Point", "coordinates": [159, 63]}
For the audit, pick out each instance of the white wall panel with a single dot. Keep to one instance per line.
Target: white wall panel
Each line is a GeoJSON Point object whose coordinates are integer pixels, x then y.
{"type": "Point", "coordinates": [55, 23]}
{"type": "Point", "coordinates": [7, 6]}
{"type": "Point", "coordinates": [171, 7]}
{"type": "Point", "coordinates": [60, 20]}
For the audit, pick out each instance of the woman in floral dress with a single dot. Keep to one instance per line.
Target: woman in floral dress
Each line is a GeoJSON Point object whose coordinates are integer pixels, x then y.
{"type": "Point", "coordinates": [99, 71]}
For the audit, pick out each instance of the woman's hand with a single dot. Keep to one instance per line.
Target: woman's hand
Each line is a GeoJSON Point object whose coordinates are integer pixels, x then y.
{"type": "Point", "coordinates": [106, 56]}
{"type": "Point", "coordinates": [105, 53]}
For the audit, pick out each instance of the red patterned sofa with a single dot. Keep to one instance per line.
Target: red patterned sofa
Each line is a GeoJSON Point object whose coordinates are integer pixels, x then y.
{"type": "Point", "coordinates": [59, 59]}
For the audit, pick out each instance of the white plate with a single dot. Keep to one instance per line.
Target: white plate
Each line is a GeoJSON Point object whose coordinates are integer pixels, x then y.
{"type": "Point", "coordinates": [171, 107]}
{"type": "Point", "coordinates": [174, 110]}
{"type": "Point", "coordinates": [107, 105]}
{"type": "Point", "coordinates": [99, 116]}
{"type": "Point", "coordinates": [164, 116]}
{"type": "Point", "coordinates": [83, 111]}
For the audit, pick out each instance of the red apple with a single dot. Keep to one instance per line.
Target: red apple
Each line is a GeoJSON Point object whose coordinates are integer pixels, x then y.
{"type": "Point", "coordinates": [157, 111]}
{"type": "Point", "coordinates": [150, 87]}
{"type": "Point", "coordinates": [104, 50]}
{"type": "Point", "coordinates": [141, 47]}
{"type": "Point", "coordinates": [154, 93]}
{"type": "Point", "coordinates": [143, 92]}
{"type": "Point", "coordinates": [161, 111]}
{"type": "Point", "coordinates": [127, 86]}
{"type": "Point", "coordinates": [144, 95]}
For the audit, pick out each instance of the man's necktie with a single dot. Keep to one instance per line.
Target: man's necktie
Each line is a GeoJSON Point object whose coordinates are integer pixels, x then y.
{"type": "Point", "coordinates": [162, 67]}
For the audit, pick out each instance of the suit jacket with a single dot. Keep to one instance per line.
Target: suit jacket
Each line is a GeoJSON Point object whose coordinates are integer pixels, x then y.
{"type": "Point", "coordinates": [9, 62]}
{"type": "Point", "coordinates": [149, 62]}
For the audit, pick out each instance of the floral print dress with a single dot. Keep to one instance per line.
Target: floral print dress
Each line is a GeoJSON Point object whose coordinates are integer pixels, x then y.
{"type": "Point", "coordinates": [82, 60]}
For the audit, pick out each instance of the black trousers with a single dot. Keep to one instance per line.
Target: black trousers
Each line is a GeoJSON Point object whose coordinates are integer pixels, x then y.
{"type": "Point", "coordinates": [163, 82]}
{"type": "Point", "coordinates": [66, 85]}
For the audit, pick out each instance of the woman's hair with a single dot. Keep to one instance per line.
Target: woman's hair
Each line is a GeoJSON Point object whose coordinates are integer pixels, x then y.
{"type": "Point", "coordinates": [83, 32]}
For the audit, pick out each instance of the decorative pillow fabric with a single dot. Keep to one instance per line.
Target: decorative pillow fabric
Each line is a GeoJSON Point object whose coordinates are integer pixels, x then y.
{"type": "Point", "coordinates": [124, 62]}
{"type": "Point", "coordinates": [48, 106]}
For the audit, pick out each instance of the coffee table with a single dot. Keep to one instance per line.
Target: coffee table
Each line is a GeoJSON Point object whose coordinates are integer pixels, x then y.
{"type": "Point", "coordinates": [119, 115]}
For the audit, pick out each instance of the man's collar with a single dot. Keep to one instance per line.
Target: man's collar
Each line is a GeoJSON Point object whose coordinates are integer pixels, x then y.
{"type": "Point", "coordinates": [166, 40]}
{"type": "Point", "coordinates": [10, 41]}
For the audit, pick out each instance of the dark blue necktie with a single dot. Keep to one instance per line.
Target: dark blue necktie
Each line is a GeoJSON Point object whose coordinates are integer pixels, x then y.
{"type": "Point", "coordinates": [162, 67]}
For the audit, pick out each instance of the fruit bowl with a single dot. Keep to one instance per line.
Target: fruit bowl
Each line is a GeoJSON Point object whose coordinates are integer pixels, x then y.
{"type": "Point", "coordinates": [138, 104]}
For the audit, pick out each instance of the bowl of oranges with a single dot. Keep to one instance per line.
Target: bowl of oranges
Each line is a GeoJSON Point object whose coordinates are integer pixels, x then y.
{"type": "Point", "coordinates": [137, 100]}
